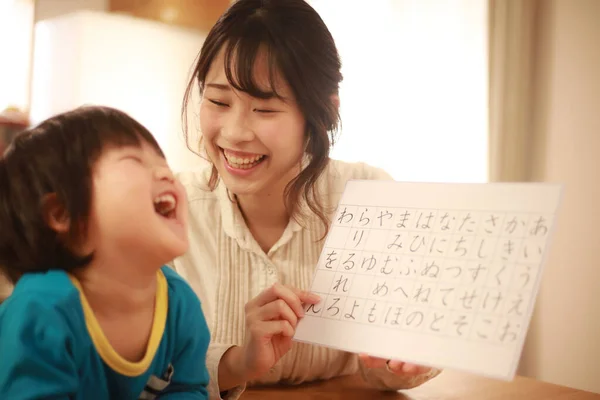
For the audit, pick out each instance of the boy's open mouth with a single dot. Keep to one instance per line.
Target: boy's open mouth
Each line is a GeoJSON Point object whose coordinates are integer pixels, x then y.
{"type": "Point", "coordinates": [165, 205]}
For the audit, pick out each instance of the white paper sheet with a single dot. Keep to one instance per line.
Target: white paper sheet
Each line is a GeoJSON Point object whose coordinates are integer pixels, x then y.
{"type": "Point", "coordinates": [444, 275]}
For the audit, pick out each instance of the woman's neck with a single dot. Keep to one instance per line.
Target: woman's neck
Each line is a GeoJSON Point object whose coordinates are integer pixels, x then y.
{"type": "Point", "coordinates": [265, 213]}
{"type": "Point", "coordinates": [266, 217]}
{"type": "Point", "coordinates": [267, 210]}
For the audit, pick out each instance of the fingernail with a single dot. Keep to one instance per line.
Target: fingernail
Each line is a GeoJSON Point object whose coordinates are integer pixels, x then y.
{"type": "Point", "coordinates": [315, 297]}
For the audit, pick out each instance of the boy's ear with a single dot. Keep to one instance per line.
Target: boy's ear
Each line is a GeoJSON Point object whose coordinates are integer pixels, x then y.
{"type": "Point", "coordinates": [55, 214]}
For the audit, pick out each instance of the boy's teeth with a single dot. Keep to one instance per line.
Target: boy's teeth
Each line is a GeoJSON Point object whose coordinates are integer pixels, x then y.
{"type": "Point", "coordinates": [165, 198]}
{"type": "Point", "coordinates": [164, 204]}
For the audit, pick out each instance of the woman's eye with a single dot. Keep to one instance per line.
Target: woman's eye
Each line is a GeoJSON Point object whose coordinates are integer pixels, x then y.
{"type": "Point", "coordinates": [264, 111]}
{"type": "Point", "coordinates": [218, 103]}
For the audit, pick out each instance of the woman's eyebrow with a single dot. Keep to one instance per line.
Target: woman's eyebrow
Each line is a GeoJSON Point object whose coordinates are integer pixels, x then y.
{"type": "Point", "coordinates": [268, 95]}
{"type": "Point", "coordinates": [218, 86]}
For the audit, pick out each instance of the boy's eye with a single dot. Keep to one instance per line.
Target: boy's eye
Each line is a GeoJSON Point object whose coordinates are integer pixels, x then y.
{"type": "Point", "coordinates": [218, 103]}
{"type": "Point", "coordinates": [134, 158]}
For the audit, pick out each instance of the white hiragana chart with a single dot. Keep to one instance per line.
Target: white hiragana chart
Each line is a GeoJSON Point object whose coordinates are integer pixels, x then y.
{"type": "Point", "coordinates": [437, 274]}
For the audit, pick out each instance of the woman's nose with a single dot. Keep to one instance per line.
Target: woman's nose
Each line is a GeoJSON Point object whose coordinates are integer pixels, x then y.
{"type": "Point", "coordinates": [237, 129]}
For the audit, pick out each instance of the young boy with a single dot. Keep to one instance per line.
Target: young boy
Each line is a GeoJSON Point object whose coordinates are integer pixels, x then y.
{"type": "Point", "coordinates": [89, 215]}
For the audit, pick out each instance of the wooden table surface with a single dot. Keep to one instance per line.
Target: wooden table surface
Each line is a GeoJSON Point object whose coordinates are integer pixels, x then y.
{"type": "Point", "coordinates": [449, 385]}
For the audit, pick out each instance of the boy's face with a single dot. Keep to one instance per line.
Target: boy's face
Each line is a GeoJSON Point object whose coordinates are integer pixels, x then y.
{"type": "Point", "coordinates": [138, 207]}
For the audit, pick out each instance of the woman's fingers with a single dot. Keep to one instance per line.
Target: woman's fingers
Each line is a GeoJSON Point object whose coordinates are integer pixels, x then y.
{"type": "Point", "coordinates": [372, 362]}
{"type": "Point", "coordinates": [306, 297]}
{"type": "Point", "coordinates": [277, 304]}
{"type": "Point", "coordinates": [275, 310]}
{"type": "Point", "coordinates": [292, 296]}
{"type": "Point", "coordinates": [268, 329]}
{"type": "Point", "coordinates": [398, 367]}
{"type": "Point", "coordinates": [407, 368]}
{"type": "Point", "coordinates": [395, 366]}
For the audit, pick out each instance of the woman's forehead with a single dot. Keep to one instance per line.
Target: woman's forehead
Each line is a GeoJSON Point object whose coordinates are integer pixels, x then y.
{"type": "Point", "coordinates": [265, 75]}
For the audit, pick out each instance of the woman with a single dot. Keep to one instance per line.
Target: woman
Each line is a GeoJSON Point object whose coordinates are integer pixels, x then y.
{"type": "Point", "coordinates": [268, 75]}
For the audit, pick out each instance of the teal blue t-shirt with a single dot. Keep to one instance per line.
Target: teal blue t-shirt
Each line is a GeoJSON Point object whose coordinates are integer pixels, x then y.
{"type": "Point", "coordinates": [52, 347]}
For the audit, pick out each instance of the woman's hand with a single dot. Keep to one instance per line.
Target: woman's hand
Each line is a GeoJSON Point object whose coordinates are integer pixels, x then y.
{"type": "Point", "coordinates": [399, 368]}
{"type": "Point", "coordinates": [271, 320]}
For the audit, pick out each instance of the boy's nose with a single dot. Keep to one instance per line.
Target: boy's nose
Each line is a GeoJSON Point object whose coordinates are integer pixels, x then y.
{"type": "Point", "coordinates": [164, 174]}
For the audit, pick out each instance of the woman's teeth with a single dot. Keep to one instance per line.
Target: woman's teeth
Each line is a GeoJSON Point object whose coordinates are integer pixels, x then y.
{"type": "Point", "coordinates": [243, 162]}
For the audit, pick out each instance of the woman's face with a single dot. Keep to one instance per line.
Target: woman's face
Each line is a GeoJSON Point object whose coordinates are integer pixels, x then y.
{"type": "Point", "coordinates": [256, 144]}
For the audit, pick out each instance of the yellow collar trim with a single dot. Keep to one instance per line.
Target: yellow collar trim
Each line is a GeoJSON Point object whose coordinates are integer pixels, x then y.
{"type": "Point", "coordinates": [103, 347]}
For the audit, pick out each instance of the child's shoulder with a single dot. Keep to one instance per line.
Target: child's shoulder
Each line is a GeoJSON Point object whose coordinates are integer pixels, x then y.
{"type": "Point", "coordinates": [41, 301]}
{"type": "Point", "coordinates": [184, 305]}
{"type": "Point", "coordinates": [178, 287]}
{"type": "Point", "coordinates": [50, 290]}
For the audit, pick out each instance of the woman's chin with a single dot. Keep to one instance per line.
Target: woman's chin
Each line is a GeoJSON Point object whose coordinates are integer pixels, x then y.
{"type": "Point", "coordinates": [240, 187]}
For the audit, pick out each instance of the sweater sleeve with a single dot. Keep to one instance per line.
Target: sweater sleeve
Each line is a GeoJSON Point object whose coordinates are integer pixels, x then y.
{"type": "Point", "coordinates": [37, 352]}
{"type": "Point", "coordinates": [190, 379]}
{"type": "Point", "coordinates": [208, 353]}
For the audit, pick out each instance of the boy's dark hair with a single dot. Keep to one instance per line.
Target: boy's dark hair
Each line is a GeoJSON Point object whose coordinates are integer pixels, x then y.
{"type": "Point", "coordinates": [56, 157]}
